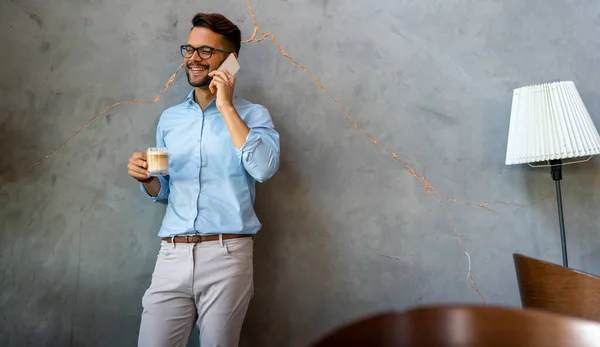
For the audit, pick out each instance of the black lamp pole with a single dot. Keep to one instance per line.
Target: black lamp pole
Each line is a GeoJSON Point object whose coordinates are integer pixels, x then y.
{"type": "Point", "coordinates": [556, 172]}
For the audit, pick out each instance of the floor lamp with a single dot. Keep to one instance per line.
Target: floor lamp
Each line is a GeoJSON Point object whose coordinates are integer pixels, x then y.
{"type": "Point", "coordinates": [548, 124]}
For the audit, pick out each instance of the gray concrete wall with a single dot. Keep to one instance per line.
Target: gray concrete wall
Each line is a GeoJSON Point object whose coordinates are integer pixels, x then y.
{"type": "Point", "coordinates": [348, 231]}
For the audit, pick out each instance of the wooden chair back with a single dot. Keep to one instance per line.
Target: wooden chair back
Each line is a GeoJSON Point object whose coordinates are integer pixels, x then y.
{"type": "Point", "coordinates": [462, 326]}
{"type": "Point", "coordinates": [554, 288]}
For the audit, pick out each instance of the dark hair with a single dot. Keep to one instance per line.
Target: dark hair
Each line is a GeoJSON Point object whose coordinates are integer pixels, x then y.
{"type": "Point", "coordinates": [220, 25]}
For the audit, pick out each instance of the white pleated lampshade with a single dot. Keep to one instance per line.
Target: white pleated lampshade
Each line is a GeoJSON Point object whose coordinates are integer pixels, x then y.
{"type": "Point", "coordinates": [547, 122]}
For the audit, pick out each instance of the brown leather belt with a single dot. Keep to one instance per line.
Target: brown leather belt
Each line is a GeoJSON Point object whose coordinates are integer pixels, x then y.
{"type": "Point", "coordinates": [202, 238]}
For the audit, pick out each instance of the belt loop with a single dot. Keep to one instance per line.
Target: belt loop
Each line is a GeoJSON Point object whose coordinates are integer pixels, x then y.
{"type": "Point", "coordinates": [221, 240]}
{"type": "Point", "coordinates": [173, 241]}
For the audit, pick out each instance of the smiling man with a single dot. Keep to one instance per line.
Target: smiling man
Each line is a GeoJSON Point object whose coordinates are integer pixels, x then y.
{"type": "Point", "coordinates": [219, 146]}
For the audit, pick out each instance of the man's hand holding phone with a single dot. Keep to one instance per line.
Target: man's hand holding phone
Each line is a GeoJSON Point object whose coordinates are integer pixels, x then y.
{"type": "Point", "coordinates": [223, 82]}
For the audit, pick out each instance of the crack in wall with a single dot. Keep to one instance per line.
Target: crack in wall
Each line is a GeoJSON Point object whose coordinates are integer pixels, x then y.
{"type": "Point", "coordinates": [258, 36]}
{"type": "Point", "coordinates": [427, 186]}
{"type": "Point", "coordinates": [94, 118]}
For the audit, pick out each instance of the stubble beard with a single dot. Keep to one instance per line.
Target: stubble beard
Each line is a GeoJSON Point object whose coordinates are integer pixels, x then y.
{"type": "Point", "coordinates": [204, 82]}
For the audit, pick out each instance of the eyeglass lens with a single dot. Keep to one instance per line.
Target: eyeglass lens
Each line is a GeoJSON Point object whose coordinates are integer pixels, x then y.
{"type": "Point", "coordinates": [204, 52]}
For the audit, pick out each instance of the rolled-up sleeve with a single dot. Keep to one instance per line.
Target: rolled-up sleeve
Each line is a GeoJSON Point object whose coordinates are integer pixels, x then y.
{"type": "Point", "coordinates": [163, 194]}
{"type": "Point", "coordinates": [260, 153]}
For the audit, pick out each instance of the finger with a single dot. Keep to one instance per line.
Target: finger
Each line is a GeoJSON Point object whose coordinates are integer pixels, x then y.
{"type": "Point", "coordinates": [217, 84]}
{"type": "Point", "coordinates": [220, 79]}
{"type": "Point", "coordinates": [217, 73]}
{"type": "Point", "coordinates": [138, 176]}
{"type": "Point", "coordinates": [139, 155]}
{"type": "Point", "coordinates": [230, 79]}
{"type": "Point", "coordinates": [224, 75]}
{"type": "Point", "coordinates": [221, 85]}
{"type": "Point", "coordinates": [138, 173]}
{"type": "Point", "coordinates": [135, 168]}
{"type": "Point", "coordinates": [138, 162]}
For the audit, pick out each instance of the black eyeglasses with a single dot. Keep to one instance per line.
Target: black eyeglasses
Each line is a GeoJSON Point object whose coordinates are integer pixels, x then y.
{"type": "Point", "coordinates": [204, 52]}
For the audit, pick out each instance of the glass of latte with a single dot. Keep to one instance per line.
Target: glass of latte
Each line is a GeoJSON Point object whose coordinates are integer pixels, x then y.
{"type": "Point", "coordinates": [158, 161]}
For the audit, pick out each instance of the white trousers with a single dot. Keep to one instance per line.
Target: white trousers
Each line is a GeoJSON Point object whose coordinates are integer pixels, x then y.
{"type": "Point", "coordinates": [209, 283]}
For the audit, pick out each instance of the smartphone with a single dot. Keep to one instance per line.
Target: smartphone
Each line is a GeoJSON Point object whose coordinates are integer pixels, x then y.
{"type": "Point", "coordinates": [230, 64]}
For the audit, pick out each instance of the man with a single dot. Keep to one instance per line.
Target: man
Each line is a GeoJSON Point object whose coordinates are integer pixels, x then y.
{"type": "Point", "coordinates": [219, 146]}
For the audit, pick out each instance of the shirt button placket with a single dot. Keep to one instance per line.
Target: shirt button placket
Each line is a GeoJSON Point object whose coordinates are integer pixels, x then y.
{"type": "Point", "coordinates": [198, 164]}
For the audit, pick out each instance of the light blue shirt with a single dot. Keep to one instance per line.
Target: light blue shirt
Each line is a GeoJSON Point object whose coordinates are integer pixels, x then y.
{"type": "Point", "coordinates": [210, 188]}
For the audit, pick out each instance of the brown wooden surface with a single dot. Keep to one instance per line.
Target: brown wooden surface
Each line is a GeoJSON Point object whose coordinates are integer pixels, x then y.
{"type": "Point", "coordinates": [462, 326]}
{"type": "Point", "coordinates": [554, 288]}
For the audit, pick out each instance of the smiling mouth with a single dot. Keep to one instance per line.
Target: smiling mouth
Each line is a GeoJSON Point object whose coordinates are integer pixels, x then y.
{"type": "Point", "coordinates": [197, 69]}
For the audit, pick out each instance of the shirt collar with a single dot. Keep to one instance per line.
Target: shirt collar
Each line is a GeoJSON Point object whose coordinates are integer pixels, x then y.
{"type": "Point", "coordinates": [190, 99]}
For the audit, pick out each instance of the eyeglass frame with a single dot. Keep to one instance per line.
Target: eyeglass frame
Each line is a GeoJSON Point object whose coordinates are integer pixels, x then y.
{"type": "Point", "coordinates": [197, 50]}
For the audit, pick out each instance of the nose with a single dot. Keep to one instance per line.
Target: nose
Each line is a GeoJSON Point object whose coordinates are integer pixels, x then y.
{"type": "Point", "coordinates": [195, 56]}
